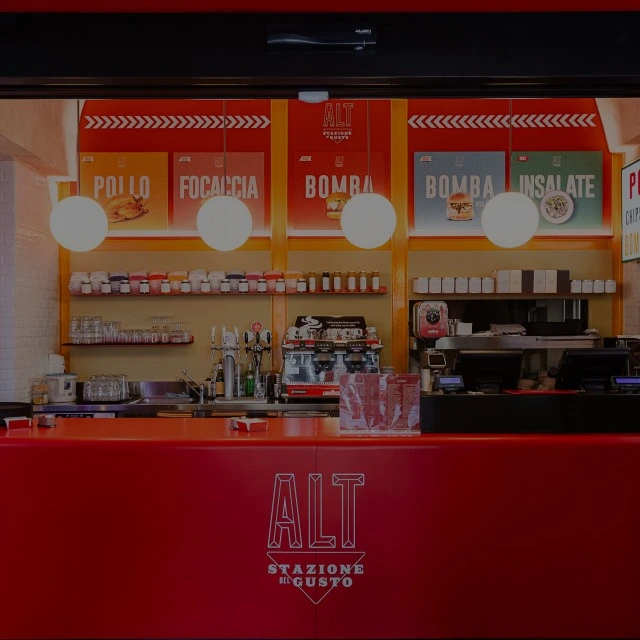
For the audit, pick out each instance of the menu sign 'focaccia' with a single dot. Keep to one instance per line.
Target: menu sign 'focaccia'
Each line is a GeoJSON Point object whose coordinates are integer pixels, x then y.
{"type": "Point", "coordinates": [200, 176]}
{"type": "Point", "coordinates": [131, 187]}
{"type": "Point", "coordinates": [566, 187]}
{"type": "Point", "coordinates": [452, 188]}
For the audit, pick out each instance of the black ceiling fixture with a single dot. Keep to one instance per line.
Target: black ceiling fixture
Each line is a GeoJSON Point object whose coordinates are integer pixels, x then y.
{"type": "Point", "coordinates": [160, 55]}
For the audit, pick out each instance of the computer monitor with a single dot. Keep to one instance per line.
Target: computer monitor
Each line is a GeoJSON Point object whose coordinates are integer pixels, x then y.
{"type": "Point", "coordinates": [489, 370]}
{"type": "Point", "coordinates": [591, 369]}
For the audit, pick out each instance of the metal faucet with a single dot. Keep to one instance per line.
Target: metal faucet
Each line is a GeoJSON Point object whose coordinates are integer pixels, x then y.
{"type": "Point", "coordinates": [200, 385]}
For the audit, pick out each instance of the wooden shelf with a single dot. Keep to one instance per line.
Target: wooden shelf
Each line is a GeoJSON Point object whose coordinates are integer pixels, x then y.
{"type": "Point", "coordinates": [382, 290]}
{"type": "Point", "coordinates": [128, 344]}
{"type": "Point", "coordinates": [440, 296]}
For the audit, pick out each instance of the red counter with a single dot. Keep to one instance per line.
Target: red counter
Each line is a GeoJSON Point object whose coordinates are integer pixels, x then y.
{"type": "Point", "coordinates": [181, 528]}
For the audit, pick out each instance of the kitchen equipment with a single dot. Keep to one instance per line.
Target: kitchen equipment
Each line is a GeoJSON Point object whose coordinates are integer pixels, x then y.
{"type": "Point", "coordinates": [62, 387]}
{"type": "Point", "coordinates": [312, 365]}
{"type": "Point", "coordinates": [430, 319]}
{"type": "Point", "coordinates": [432, 363]}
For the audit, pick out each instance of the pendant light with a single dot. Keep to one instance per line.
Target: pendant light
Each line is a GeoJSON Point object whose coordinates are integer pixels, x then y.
{"type": "Point", "coordinates": [368, 219]}
{"type": "Point", "coordinates": [510, 219]}
{"type": "Point", "coordinates": [78, 223]}
{"type": "Point", "coordinates": [224, 222]}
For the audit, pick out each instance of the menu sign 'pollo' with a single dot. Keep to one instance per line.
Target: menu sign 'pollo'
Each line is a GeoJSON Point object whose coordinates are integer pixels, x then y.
{"type": "Point", "coordinates": [131, 187]}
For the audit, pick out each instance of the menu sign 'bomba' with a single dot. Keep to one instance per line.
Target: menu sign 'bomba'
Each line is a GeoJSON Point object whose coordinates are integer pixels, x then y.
{"type": "Point", "coordinates": [452, 188]}
{"type": "Point", "coordinates": [324, 182]}
{"type": "Point", "coordinates": [200, 176]}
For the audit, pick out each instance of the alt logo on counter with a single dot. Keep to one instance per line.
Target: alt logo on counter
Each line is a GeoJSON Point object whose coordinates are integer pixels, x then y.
{"type": "Point", "coordinates": [313, 546]}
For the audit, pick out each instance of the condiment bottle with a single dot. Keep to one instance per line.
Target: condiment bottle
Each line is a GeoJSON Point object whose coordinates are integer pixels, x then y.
{"type": "Point", "coordinates": [262, 285]}
{"type": "Point", "coordinates": [351, 281]}
{"type": "Point", "coordinates": [375, 281]}
{"type": "Point", "coordinates": [326, 282]}
{"type": "Point", "coordinates": [337, 281]}
{"type": "Point", "coordinates": [301, 285]}
{"type": "Point", "coordinates": [363, 281]}
{"type": "Point", "coordinates": [205, 286]}
{"type": "Point", "coordinates": [312, 281]}
{"type": "Point", "coordinates": [125, 287]}
{"type": "Point", "coordinates": [105, 287]}
{"type": "Point", "coordinates": [280, 287]}
{"type": "Point", "coordinates": [85, 287]}
{"type": "Point", "coordinates": [144, 286]}
{"type": "Point", "coordinates": [243, 286]}
{"type": "Point", "coordinates": [185, 286]}
{"type": "Point", "coordinates": [220, 381]}
{"type": "Point", "coordinates": [225, 285]}
{"type": "Point", "coordinates": [165, 286]}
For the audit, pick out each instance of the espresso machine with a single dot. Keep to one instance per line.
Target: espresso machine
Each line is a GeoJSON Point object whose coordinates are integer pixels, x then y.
{"type": "Point", "coordinates": [317, 350]}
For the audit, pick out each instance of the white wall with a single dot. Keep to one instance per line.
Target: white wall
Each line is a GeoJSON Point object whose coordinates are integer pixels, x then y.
{"type": "Point", "coordinates": [28, 280]}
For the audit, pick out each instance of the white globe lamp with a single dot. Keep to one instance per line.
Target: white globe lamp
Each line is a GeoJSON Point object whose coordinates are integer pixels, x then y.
{"type": "Point", "coordinates": [510, 219]}
{"type": "Point", "coordinates": [368, 220]}
{"type": "Point", "coordinates": [78, 223]}
{"type": "Point", "coordinates": [224, 222]}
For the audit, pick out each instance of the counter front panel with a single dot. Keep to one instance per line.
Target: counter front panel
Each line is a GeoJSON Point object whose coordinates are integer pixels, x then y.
{"type": "Point", "coordinates": [181, 528]}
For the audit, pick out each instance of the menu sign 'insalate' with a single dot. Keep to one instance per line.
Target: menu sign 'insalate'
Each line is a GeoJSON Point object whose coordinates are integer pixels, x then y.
{"type": "Point", "coordinates": [565, 186]}
{"type": "Point", "coordinates": [631, 212]}
{"type": "Point", "coordinates": [132, 188]}
{"type": "Point", "coordinates": [200, 176]}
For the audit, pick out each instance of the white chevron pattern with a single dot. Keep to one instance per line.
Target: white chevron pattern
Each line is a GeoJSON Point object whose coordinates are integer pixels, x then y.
{"type": "Point", "coordinates": [502, 121]}
{"type": "Point", "coordinates": [175, 122]}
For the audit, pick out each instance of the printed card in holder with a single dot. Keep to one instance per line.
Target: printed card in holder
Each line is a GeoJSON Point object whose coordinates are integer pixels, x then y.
{"type": "Point", "coordinates": [380, 404]}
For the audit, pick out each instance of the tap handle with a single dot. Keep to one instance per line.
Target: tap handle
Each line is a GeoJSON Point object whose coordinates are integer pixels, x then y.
{"type": "Point", "coordinates": [268, 337]}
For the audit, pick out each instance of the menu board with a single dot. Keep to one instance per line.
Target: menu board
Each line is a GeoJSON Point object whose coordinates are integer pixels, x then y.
{"type": "Point", "coordinates": [337, 149]}
{"type": "Point", "coordinates": [200, 176]}
{"type": "Point", "coordinates": [190, 137]}
{"type": "Point", "coordinates": [631, 212]}
{"type": "Point", "coordinates": [452, 188]}
{"type": "Point", "coordinates": [566, 186]}
{"type": "Point", "coordinates": [380, 403]}
{"type": "Point", "coordinates": [131, 187]}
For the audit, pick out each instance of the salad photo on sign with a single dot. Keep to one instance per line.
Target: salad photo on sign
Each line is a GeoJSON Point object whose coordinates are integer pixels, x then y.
{"type": "Point", "coordinates": [566, 186]}
{"type": "Point", "coordinates": [451, 189]}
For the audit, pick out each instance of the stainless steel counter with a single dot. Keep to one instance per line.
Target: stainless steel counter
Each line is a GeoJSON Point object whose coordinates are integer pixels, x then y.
{"type": "Point", "coordinates": [133, 407]}
{"type": "Point", "coordinates": [517, 342]}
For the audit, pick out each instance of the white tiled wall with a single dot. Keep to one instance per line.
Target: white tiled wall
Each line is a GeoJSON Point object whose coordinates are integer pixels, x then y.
{"type": "Point", "coordinates": [28, 280]}
{"type": "Point", "coordinates": [7, 278]}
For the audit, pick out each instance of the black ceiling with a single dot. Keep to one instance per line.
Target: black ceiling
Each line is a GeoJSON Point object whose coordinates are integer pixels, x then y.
{"type": "Point", "coordinates": [593, 54]}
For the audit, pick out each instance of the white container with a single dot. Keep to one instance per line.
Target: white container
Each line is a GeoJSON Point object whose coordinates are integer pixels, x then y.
{"type": "Point", "coordinates": [475, 284]}
{"type": "Point", "coordinates": [587, 286]}
{"type": "Point", "coordinates": [488, 285]}
{"type": "Point", "coordinates": [205, 286]}
{"type": "Point", "coordinates": [462, 285]}
{"type": "Point", "coordinates": [448, 285]}
{"type": "Point", "coordinates": [576, 286]}
{"type": "Point", "coordinates": [435, 285]}
{"type": "Point", "coordinates": [421, 285]}
{"type": "Point", "coordinates": [598, 286]}
{"type": "Point", "coordinates": [609, 286]}
{"type": "Point", "coordinates": [62, 387]}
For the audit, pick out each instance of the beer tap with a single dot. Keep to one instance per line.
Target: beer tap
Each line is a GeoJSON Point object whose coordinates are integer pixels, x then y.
{"type": "Point", "coordinates": [256, 343]}
{"type": "Point", "coordinates": [230, 349]}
